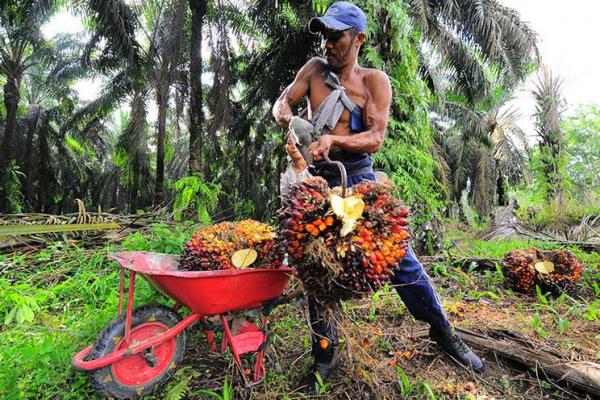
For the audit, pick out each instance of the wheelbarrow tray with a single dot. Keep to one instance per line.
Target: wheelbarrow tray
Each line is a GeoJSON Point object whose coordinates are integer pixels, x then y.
{"type": "Point", "coordinates": [207, 292]}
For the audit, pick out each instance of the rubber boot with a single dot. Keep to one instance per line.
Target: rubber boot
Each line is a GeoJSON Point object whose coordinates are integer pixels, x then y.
{"type": "Point", "coordinates": [453, 345]}
{"type": "Point", "coordinates": [309, 383]}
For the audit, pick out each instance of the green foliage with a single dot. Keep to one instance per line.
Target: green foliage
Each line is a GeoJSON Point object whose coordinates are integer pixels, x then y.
{"type": "Point", "coordinates": [406, 156]}
{"type": "Point", "coordinates": [320, 6]}
{"type": "Point", "coordinates": [534, 211]}
{"type": "Point", "coordinates": [195, 196]}
{"type": "Point", "coordinates": [179, 385]}
{"type": "Point", "coordinates": [73, 145]}
{"type": "Point", "coordinates": [161, 239]}
{"type": "Point", "coordinates": [73, 295]}
{"type": "Point", "coordinates": [413, 390]}
{"type": "Point", "coordinates": [16, 304]}
{"type": "Point", "coordinates": [226, 394]}
{"type": "Point", "coordinates": [10, 188]}
{"type": "Point", "coordinates": [582, 144]}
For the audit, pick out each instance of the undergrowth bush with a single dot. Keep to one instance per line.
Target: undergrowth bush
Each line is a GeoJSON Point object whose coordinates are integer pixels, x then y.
{"type": "Point", "coordinates": [539, 214]}
{"type": "Point", "coordinates": [72, 296]}
{"type": "Point", "coordinates": [162, 238]}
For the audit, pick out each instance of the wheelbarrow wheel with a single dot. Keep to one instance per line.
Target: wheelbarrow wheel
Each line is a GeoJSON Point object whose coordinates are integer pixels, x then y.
{"type": "Point", "coordinates": [141, 373]}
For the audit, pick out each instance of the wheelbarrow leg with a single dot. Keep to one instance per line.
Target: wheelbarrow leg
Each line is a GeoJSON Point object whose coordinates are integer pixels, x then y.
{"type": "Point", "coordinates": [228, 340]}
{"type": "Point", "coordinates": [129, 313]}
{"type": "Point", "coordinates": [259, 368]}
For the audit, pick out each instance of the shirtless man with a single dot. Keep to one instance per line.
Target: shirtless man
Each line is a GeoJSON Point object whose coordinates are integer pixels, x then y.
{"type": "Point", "coordinates": [359, 132]}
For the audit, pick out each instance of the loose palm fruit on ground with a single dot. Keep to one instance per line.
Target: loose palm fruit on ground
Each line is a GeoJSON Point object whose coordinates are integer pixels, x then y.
{"type": "Point", "coordinates": [554, 271]}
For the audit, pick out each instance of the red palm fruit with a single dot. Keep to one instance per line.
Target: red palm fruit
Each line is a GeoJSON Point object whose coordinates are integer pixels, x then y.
{"type": "Point", "coordinates": [365, 262]}
{"type": "Point", "coordinates": [401, 221]}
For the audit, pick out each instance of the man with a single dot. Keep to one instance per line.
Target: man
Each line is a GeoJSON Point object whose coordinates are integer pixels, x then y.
{"type": "Point", "coordinates": [350, 106]}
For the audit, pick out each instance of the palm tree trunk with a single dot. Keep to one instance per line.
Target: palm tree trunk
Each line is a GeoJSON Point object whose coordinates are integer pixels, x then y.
{"type": "Point", "coordinates": [7, 153]}
{"type": "Point", "coordinates": [11, 102]}
{"type": "Point", "coordinates": [45, 177]}
{"type": "Point", "coordinates": [198, 8]}
{"type": "Point", "coordinates": [162, 95]}
{"type": "Point", "coordinates": [30, 167]}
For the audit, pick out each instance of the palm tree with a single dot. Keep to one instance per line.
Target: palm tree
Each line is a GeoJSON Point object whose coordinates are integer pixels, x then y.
{"type": "Point", "coordinates": [482, 150]}
{"type": "Point", "coordinates": [20, 34]}
{"type": "Point", "coordinates": [468, 36]}
{"type": "Point", "coordinates": [164, 60]}
{"type": "Point", "coordinates": [549, 108]}
{"type": "Point", "coordinates": [198, 9]}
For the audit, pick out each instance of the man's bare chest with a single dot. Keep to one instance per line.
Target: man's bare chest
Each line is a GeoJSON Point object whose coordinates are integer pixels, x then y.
{"type": "Point", "coordinates": [355, 90]}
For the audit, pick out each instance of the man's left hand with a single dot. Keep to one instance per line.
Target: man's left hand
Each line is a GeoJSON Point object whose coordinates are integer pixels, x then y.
{"type": "Point", "coordinates": [320, 149]}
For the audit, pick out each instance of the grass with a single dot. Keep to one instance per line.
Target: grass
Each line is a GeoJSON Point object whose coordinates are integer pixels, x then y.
{"type": "Point", "coordinates": [62, 297]}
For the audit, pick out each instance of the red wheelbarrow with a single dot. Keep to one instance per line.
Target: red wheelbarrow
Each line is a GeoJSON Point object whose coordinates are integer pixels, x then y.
{"type": "Point", "coordinates": [141, 348]}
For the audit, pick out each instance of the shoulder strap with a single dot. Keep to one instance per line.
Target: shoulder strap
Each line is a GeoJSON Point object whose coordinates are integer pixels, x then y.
{"type": "Point", "coordinates": [329, 112]}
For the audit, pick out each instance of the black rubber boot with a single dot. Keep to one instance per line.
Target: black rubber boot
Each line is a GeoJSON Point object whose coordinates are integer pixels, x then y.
{"type": "Point", "coordinates": [308, 384]}
{"type": "Point", "coordinates": [456, 348]}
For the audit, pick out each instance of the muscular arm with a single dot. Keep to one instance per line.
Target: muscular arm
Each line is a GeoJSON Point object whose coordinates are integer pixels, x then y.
{"type": "Point", "coordinates": [377, 113]}
{"type": "Point", "coordinates": [293, 94]}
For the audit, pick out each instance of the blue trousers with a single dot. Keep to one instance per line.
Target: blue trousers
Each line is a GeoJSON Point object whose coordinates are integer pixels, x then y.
{"type": "Point", "coordinates": [410, 281]}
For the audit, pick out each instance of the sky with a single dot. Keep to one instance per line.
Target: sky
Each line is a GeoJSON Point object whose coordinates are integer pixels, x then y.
{"type": "Point", "coordinates": [567, 31]}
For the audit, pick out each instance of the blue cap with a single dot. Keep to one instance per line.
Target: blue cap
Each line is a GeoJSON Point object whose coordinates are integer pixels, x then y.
{"type": "Point", "coordinates": [339, 17]}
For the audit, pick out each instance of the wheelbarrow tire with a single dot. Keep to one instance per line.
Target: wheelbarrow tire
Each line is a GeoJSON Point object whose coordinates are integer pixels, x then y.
{"type": "Point", "coordinates": [135, 376]}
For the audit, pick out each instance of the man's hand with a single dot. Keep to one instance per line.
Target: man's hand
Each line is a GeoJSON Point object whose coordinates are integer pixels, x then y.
{"type": "Point", "coordinates": [320, 149]}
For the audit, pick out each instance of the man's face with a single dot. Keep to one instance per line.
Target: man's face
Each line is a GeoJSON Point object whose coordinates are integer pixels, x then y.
{"type": "Point", "coordinates": [341, 47]}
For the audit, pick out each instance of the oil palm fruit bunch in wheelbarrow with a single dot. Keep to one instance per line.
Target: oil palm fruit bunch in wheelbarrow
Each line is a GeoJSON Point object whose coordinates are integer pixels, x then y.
{"type": "Point", "coordinates": [554, 271]}
{"type": "Point", "coordinates": [342, 247]}
{"type": "Point", "coordinates": [230, 245]}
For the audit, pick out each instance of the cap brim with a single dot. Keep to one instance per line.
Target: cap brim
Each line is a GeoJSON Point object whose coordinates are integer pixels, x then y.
{"type": "Point", "coordinates": [319, 24]}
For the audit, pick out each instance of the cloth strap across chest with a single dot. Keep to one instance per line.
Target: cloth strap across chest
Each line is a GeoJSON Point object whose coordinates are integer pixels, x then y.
{"type": "Point", "coordinates": [329, 112]}
{"type": "Point", "coordinates": [325, 119]}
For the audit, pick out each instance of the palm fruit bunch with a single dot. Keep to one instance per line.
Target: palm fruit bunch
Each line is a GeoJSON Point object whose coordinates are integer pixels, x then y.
{"type": "Point", "coordinates": [230, 245]}
{"type": "Point", "coordinates": [554, 271]}
{"type": "Point", "coordinates": [342, 247]}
